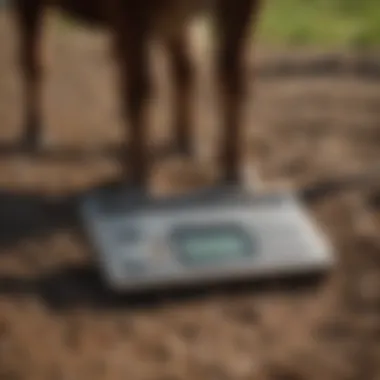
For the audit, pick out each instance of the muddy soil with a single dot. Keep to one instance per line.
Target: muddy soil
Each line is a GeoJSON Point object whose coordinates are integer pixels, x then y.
{"type": "Point", "coordinates": [310, 116]}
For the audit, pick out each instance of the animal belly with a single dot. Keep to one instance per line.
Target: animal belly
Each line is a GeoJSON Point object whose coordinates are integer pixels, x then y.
{"type": "Point", "coordinates": [86, 11]}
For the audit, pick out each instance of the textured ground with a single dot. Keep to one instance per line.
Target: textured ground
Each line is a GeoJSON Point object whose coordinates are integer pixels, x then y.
{"type": "Point", "coordinates": [314, 115]}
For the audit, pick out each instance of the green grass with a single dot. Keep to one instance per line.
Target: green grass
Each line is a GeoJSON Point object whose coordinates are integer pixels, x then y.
{"type": "Point", "coordinates": [327, 23]}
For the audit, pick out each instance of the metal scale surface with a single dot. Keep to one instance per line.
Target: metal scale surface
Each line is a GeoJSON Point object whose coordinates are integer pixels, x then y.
{"type": "Point", "coordinates": [218, 234]}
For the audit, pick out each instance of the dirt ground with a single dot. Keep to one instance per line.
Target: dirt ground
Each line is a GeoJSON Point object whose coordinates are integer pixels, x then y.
{"type": "Point", "coordinates": [314, 115]}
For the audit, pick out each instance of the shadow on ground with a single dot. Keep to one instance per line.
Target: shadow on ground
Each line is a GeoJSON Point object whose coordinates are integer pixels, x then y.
{"type": "Point", "coordinates": [26, 214]}
{"type": "Point", "coordinates": [80, 286]}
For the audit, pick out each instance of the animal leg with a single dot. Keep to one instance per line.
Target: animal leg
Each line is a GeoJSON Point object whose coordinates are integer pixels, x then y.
{"type": "Point", "coordinates": [181, 66]}
{"type": "Point", "coordinates": [233, 19]}
{"type": "Point", "coordinates": [132, 53]}
{"type": "Point", "coordinates": [29, 18]}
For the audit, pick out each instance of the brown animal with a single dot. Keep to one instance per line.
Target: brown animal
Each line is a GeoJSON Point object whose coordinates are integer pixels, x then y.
{"type": "Point", "coordinates": [133, 23]}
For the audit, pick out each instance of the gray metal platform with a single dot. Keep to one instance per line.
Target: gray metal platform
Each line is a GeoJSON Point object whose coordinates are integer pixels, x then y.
{"type": "Point", "coordinates": [212, 235]}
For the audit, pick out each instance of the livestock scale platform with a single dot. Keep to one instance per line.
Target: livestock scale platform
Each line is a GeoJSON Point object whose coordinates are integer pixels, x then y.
{"type": "Point", "coordinates": [211, 235]}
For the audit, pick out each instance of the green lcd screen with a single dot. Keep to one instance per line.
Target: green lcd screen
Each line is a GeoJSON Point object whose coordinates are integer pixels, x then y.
{"type": "Point", "coordinates": [212, 244]}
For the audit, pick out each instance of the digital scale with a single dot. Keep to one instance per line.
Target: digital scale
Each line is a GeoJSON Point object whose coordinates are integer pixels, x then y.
{"type": "Point", "coordinates": [212, 235]}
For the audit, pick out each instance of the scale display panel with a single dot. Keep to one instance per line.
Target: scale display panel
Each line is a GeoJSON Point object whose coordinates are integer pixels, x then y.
{"type": "Point", "coordinates": [211, 235]}
{"type": "Point", "coordinates": [211, 244]}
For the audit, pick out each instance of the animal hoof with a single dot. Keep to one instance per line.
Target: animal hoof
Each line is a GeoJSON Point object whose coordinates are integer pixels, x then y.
{"type": "Point", "coordinates": [113, 185]}
{"type": "Point", "coordinates": [31, 142]}
{"type": "Point", "coordinates": [231, 178]}
{"type": "Point", "coordinates": [184, 147]}
{"type": "Point", "coordinates": [137, 181]}
{"type": "Point", "coordinates": [120, 186]}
